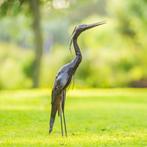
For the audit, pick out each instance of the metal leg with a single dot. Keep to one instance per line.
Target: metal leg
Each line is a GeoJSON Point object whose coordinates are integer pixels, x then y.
{"type": "Point", "coordinates": [61, 120]}
{"type": "Point", "coordinates": [63, 103]}
{"type": "Point", "coordinates": [64, 124]}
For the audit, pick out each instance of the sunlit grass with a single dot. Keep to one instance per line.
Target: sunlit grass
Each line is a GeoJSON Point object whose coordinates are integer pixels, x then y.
{"type": "Point", "coordinates": [115, 117]}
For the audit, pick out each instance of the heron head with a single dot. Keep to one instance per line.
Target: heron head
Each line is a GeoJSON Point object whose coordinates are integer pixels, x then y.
{"type": "Point", "coordinates": [83, 27]}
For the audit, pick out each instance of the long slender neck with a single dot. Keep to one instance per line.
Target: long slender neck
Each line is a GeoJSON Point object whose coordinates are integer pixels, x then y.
{"type": "Point", "coordinates": [76, 46]}
{"type": "Point", "coordinates": [77, 60]}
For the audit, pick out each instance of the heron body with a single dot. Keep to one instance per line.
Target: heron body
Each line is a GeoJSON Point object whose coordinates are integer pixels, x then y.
{"type": "Point", "coordinates": [65, 74]}
{"type": "Point", "coordinates": [64, 77]}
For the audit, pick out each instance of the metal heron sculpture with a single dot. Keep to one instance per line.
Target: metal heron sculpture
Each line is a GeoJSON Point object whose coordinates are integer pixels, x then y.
{"type": "Point", "coordinates": [64, 77]}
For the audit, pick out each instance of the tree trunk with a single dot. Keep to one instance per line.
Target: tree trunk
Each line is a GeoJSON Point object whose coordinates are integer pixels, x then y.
{"type": "Point", "coordinates": [38, 42]}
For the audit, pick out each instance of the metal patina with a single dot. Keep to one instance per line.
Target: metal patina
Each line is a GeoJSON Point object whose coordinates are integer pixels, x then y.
{"type": "Point", "coordinates": [64, 77]}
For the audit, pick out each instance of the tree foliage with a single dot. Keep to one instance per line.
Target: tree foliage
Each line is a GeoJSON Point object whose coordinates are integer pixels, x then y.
{"type": "Point", "coordinates": [114, 55]}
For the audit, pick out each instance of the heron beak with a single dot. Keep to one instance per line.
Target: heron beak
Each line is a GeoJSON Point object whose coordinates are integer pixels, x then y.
{"type": "Point", "coordinates": [89, 26]}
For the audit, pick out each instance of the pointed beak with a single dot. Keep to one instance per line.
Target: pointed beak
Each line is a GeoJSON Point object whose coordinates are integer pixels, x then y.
{"type": "Point", "coordinates": [89, 26]}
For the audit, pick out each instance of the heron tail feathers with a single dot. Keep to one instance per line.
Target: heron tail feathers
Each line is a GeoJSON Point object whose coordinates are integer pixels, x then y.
{"type": "Point", "coordinates": [52, 117]}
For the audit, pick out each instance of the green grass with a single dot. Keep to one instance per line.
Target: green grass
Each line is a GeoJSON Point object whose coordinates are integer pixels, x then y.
{"type": "Point", "coordinates": [95, 118]}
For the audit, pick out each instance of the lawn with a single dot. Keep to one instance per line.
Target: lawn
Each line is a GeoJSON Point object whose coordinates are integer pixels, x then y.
{"type": "Point", "coordinates": [95, 118]}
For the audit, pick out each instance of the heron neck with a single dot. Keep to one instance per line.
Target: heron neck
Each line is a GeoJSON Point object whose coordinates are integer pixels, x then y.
{"type": "Point", "coordinates": [77, 60]}
{"type": "Point", "coordinates": [76, 46]}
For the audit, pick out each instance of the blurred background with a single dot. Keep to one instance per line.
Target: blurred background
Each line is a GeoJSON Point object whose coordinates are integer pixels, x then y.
{"type": "Point", "coordinates": [35, 35]}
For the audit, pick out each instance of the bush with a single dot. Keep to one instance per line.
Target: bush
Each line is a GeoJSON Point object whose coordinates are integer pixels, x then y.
{"type": "Point", "coordinates": [13, 73]}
